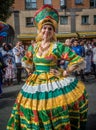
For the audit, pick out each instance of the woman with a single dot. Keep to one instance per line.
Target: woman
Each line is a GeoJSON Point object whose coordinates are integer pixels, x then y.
{"type": "Point", "coordinates": [50, 99]}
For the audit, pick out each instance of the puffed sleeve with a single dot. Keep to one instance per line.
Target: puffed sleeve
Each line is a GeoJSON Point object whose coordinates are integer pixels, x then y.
{"type": "Point", "coordinates": [65, 53]}
{"type": "Point", "coordinates": [27, 60]}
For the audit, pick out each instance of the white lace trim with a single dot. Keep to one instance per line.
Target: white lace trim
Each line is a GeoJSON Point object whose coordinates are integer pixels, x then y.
{"type": "Point", "coordinates": [49, 86]}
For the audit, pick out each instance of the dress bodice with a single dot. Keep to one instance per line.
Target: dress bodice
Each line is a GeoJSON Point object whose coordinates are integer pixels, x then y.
{"type": "Point", "coordinates": [46, 62]}
{"type": "Point", "coordinates": [57, 51]}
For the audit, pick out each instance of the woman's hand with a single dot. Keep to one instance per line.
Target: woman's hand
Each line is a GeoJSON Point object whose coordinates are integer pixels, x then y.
{"type": "Point", "coordinates": [69, 70]}
{"type": "Point", "coordinates": [28, 71]}
{"type": "Point", "coordinates": [65, 73]}
{"type": "Point", "coordinates": [58, 73]}
{"type": "Point", "coordinates": [55, 72]}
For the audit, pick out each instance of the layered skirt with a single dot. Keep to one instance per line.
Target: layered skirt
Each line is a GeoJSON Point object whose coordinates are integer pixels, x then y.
{"type": "Point", "coordinates": [49, 102]}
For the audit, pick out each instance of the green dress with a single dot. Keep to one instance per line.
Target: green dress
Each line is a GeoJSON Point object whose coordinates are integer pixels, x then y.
{"type": "Point", "coordinates": [47, 101]}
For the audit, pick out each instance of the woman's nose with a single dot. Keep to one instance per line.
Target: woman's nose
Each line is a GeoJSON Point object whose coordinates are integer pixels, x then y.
{"type": "Point", "coordinates": [47, 30]}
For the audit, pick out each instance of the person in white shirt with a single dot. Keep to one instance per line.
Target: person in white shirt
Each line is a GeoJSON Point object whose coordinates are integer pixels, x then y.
{"type": "Point", "coordinates": [94, 59]}
{"type": "Point", "coordinates": [18, 51]}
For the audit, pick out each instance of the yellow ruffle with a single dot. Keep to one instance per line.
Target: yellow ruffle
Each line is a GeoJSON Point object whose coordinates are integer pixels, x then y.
{"type": "Point", "coordinates": [51, 103]}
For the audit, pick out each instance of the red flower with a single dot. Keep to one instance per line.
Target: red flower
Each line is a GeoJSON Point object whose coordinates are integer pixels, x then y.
{"type": "Point", "coordinates": [35, 116]}
{"type": "Point", "coordinates": [64, 107]}
{"type": "Point", "coordinates": [50, 57]}
{"type": "Point", "coordinates": [67, 127]}
{"type": "Point", "coordinates": [13, 125]}
{"type": "Point", "coordinates": [65, 56]}
{"type": "Point", "coordinates": [21, 113]}
{"type": "Point", "coordinates": [76, 106]}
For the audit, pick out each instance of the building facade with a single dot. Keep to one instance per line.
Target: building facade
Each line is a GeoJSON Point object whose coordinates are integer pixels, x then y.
{"type": "Point", "coordinates": [77, 18]}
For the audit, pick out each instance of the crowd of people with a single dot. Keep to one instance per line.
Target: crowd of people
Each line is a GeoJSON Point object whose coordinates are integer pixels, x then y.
{"type": "Point", "coordinates": [8, 60]}
{"type": "Point", "coordinates": [11, 59]}
{"type": "Point", "coordinates": [11, 69]}
{"type": "Point", "coordinates": [86, 49]}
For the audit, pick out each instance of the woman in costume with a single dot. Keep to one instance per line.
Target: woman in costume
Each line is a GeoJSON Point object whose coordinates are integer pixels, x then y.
{"type": "Point", "coordinates": [50, 99]}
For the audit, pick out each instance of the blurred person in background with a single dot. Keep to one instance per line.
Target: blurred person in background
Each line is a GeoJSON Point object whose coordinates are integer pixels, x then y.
{"type": "Point", "coordinates": [2, 67]}
{"type": "Point", "coordinates": [94, 59]}
{"type": "Point", "coordinates": [79, 50]}
{"type": "Point", "coordinates": [19, 52]}
{"type": "Point", "coordinates": [9, 72]}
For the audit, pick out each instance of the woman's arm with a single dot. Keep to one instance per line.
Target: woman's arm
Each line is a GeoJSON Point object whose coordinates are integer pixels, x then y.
{"type": "Point", "coordinates": [69, 70]}
{"type": "Point", "coordinates": [75, 61]}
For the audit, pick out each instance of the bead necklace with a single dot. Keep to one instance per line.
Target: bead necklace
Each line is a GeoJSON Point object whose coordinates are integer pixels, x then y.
{"type": "Point", "coordinates": [43, 49]}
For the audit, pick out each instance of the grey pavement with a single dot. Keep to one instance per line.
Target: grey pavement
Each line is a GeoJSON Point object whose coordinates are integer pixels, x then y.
{"type": "Point", "coordinates": [10, 94]}
{"type": "Point", "coordinates": [6, 103]}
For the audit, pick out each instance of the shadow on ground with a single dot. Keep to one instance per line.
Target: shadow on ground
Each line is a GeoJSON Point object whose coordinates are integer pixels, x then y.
{"type": "Point", "coordinates": [91, 124]}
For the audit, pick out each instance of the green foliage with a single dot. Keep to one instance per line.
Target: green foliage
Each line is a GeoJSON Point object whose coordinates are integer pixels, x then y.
{"type": "Point", "coordinates": [5, 9]}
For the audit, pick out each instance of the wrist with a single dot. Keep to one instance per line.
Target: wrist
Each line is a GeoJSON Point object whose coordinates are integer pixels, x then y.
{"type": "Point", "coordinates": [65, 73]}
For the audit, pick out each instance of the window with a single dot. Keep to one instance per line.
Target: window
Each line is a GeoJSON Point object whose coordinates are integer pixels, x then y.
{"type": "Point", "coordinates": [63, 20]}
{"type": "Point", "coordinates": [93, 3]}
{"type": "Point", "coordinates": [78, 1]}
{"type": "Point", "coordinates": [62, 4]}
{"type": "Point", "coordinates": [94, 19]}
{"type": "Point", "coordinates": [30, 4]}
{"type": "Point", "coordinates": [29, 21]}
{"type": "Point", "coordinates": [85, 19]}
{"type": "Point", "coordinates": [48, 2]}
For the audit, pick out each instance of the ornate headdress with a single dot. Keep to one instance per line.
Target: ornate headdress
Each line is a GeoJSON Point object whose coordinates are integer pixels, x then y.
{"type": "Point", "coordinates": [46, 15]}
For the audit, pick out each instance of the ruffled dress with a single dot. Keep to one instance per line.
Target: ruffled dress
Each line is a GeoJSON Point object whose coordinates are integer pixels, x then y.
{"type": "Point", "coordinates": [47, 101]}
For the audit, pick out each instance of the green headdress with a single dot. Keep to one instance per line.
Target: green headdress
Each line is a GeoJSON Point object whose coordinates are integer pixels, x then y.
{"type": "Point", "coordinates": [46, 15]}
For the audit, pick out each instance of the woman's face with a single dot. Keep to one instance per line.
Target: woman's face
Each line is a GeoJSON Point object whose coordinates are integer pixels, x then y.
{"type": "Point", "coordinates": [47, 32]}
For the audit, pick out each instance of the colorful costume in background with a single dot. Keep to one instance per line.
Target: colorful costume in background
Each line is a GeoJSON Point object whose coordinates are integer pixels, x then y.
{"type": "Point", "coordinates": [47, 101]}
{"type": "Point", "coordinates": [3, 30]}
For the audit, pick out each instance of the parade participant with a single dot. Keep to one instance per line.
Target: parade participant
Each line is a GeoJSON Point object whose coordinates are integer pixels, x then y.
{"type": "Point", "coordinates": [50, 99]}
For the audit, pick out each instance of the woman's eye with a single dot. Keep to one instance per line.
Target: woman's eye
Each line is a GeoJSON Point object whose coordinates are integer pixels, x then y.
{"type": "Point", "coordinates": [44, 28]}
{"type": "Point", "coordinates": [50, 29]}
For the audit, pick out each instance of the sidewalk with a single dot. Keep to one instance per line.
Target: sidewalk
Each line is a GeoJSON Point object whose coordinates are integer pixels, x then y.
{"type": "Point", "coordinates": [10, 94]}
{"type": "Point", "coordinates": [15, 87]}
{"type": "Point", "coordinates": [8, 91]}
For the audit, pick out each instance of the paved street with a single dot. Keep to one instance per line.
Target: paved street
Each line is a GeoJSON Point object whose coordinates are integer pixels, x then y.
{"type": "Point", "coordinates": [10, 93]}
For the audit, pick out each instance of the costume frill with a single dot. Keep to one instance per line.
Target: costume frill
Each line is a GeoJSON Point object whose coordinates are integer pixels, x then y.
{"type": "Point", "coordinates": [47, 101]}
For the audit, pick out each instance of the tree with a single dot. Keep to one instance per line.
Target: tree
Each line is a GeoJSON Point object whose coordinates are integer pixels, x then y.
{"type": "Point", "coordinates": [5, 9]}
